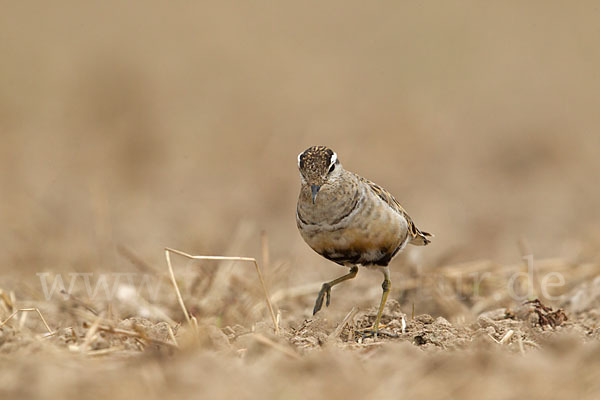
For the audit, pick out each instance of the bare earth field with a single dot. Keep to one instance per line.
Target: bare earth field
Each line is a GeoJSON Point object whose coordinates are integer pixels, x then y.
{"type": "Point", "coordinates": [126, 128]}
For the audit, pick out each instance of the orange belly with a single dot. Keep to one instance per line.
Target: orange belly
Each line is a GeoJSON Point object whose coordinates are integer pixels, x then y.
{"type": "Point", "coordinates": [372, 242]}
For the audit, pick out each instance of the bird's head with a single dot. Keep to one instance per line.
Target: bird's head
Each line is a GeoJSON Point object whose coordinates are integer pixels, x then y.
{"type": "Point", "coordinates": [318, 166]}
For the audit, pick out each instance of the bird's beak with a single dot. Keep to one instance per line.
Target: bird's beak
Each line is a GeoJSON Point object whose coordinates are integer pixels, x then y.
{"type": "Point", "coordinates": [314, 189]}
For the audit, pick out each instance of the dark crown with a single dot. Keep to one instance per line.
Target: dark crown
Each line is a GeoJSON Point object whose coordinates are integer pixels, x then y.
{"type": "Point", "coordinates": [315, 156]}
{"type": "Point", "coordinates": [315, 162]}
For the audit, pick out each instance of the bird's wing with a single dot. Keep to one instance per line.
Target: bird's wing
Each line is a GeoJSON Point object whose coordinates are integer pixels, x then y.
{"type": "Point", "coordinates": [418, 237]}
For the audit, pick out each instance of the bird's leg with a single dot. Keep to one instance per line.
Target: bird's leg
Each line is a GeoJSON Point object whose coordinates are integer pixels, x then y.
{"type": "Point", "coordinates": [386, 286]}
{"type": "Point", "coordinates": [326, 288]}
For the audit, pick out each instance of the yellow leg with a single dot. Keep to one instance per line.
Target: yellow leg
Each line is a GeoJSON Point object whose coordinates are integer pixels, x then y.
{"type": "Point", "coordinates": [386, 286]}
{"type": "Point", "coordinates": [326, 288]}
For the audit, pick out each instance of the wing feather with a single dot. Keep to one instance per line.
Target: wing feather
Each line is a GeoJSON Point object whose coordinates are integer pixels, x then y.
{"type": "Point", "coordinates": [418, 237]}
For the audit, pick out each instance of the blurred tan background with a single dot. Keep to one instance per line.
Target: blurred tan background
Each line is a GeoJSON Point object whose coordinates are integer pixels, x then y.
{"type": "Point", "coordinates": [138, 125]}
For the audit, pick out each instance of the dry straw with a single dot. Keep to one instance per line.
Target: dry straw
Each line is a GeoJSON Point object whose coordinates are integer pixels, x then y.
{"type": "Point", "coordinates": [11, 316]}
{"type": "Point", "coordinates": [279, 347]}
{"type": "Point", "coordinates": [338, 331]}
{"type": "Point", "coordinates": [191, 319]}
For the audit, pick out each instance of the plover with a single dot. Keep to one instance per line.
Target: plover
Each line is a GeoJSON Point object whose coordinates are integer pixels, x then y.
{"type": "Point", "coordinates": [350, 221]}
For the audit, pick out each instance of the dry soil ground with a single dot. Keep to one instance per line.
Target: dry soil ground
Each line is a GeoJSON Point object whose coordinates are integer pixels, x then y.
{"type": "Point", "coordinates": [128, 127]}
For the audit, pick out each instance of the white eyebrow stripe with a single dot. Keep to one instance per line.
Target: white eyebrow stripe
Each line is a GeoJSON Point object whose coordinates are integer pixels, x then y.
{"type": "Point", "coordinates": [333, 158]}
{"type": "Point", "coordinates": [299, 155]}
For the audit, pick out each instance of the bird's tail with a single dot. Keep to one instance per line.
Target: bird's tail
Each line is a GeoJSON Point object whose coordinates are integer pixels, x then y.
{"type": "Point", "coordinates": [421, 238]}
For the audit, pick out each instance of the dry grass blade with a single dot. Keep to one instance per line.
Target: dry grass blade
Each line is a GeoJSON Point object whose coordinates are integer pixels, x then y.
{"type": "Point", "coordinates": [338, 330]}
{"type": "Point", "coordinates": [507, 336]}
{"type": "Point", "coordinates": [266, 341]}
{"type": "Point", "coordinates": [178, 292]}
{"type": "Point", "coordinates": [172, 336]}
{"type": "Point", "coordinates": [135, 259]}
{"type": "Point", "coordinates": [249, 259]}
{"type": "Point", "coordinates": [6, 302]}
{"type": "Point", "coordinates": [139, 335]}
{"type": "Point", "coordinates": [90, 334]}
{"type": "Point", "coordinates": [80, 302]}
{"type": "Point", "coordinates": [103, 352]}
{"type": "Point", "coordinates": [11, 316]}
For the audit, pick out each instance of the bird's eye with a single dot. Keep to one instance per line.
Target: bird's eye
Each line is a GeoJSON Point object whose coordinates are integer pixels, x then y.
{"type": "Point", "coordinates": [331, 168]}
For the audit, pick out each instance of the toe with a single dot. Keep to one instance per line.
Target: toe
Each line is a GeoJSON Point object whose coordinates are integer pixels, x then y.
{"type": "Point", "coordinates": [318, 304]}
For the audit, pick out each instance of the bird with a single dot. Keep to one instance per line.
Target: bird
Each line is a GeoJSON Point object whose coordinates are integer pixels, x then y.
{"type": "Point", "coordinates": [351, 221]}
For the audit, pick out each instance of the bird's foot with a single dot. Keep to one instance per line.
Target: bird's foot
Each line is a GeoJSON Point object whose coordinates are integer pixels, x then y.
{"type": "Point", "coordinates": [374, 332]}
{"type": "Point", "coordinates": [325, 290]}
